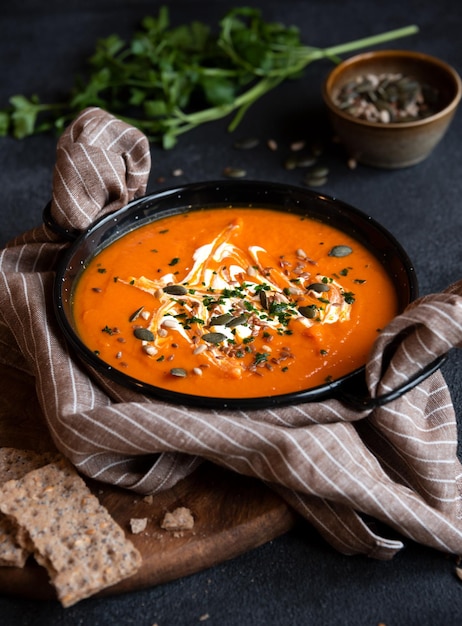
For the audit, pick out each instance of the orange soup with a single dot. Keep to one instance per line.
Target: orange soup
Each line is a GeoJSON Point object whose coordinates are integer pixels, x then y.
{"type": "Point", "coordinates": [233, 303]}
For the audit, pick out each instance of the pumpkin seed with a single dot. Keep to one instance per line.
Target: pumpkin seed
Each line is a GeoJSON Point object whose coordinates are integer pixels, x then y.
{"type": "Point", "coordinates": [305, 161]}
{"type": "Point", "coordinates": [340, 251]}
{"type": "Point", "coordinates": [318, 287]}
{"type": "Point", "coordinates": [179, 372]}
{"type": "Point", "coordinates": [317, 176]}
{"type": "Point", "coordinates": [263, 299]}
{"type": "Point", "coordinates": [234, 172]}
{"type": "Point", "coordinates": [290, 163]}
{"type": "Point", "coordinates": [315, 181]}
{"type": "Point", "coordinates": [175, 290]}
{"type": "Point", "coordinates": [144, 334]}
{"type": "Point", "coordinates": [247, 143]}
{"type": "Point", "coordinates": [320, 171]}
{"type": "Point", "coordinates": [309, 311]}
{"type": "Point", "coordinates": [240, 319]}
{"type": "Point", "coordinates": [389, 97]}
{"type": "Point", "coordinates": [135, 314]}
{"type": "Point", "coordinates": [214, 337]}
{"type": "Point", "coordinates": [221, 320]}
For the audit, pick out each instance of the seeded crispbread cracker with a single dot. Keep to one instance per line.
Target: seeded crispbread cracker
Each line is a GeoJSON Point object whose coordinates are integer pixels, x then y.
{"type": "Point", "coordinates": [14, 464]}
{"type": "Point", "coordinates": [70, 533]}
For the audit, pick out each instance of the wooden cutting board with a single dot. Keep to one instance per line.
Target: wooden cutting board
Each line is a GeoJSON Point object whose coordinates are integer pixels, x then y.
{"type": "Point", "coordinates": [232, 514]}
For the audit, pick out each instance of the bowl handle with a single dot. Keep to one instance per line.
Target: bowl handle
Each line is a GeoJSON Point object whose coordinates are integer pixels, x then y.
{"type": "Point", "coordinates": [65, 233]}
{"type": "Point", "coordinates": [363, 402]}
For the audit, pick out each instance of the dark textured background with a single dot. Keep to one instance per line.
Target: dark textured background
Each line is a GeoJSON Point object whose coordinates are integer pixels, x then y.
{"type": "Point", "coordinates": [296, 579]}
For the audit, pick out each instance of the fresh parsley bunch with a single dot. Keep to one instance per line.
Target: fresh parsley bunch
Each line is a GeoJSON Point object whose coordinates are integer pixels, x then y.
{"type": "Point", "coordinates": [166, 81]}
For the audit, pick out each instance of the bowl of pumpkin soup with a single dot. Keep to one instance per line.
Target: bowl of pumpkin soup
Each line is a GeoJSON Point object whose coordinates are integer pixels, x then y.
{"type": "Point", "coordinates": [232, 294]}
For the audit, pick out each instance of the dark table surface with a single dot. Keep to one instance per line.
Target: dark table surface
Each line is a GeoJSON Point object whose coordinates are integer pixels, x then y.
{"type": "Point", "coordinates": [296, 579]}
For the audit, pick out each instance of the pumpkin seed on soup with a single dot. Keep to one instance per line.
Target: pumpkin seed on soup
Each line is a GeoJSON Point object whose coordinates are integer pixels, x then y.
{"type": "Point", "coordinates": [214, 337]}
{"type": "Point", "coordinates": [179, 372]}
{"type": "Point", "coordinates": [144, 334]}
{"type": "Point", "coordinates": [340, 251]}
{"type": "Point", "coordinates": [175, 290]}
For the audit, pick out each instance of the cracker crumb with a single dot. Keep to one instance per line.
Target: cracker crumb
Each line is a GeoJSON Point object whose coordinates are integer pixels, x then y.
{"type": "Point", "coordinates": [138, 524]}
{"type": "Point", "coordinates": [179, 519]}
{"type": "Point", "coordinates": [352, 163]}
{"type": "Point", "coordinates": [148, 499]}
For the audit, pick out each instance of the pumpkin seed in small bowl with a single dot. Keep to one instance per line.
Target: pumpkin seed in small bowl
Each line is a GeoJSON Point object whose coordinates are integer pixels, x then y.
{"type": "Point", "coordinates": [390, 108]}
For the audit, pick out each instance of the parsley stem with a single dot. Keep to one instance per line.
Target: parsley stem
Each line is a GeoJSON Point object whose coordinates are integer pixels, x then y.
{"type": "Point", "coordinates": [152, 81]}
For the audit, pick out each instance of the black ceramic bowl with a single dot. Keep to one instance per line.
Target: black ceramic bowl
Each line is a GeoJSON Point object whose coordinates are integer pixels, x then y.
{"type": "Point", "coordinates": [229, 194]}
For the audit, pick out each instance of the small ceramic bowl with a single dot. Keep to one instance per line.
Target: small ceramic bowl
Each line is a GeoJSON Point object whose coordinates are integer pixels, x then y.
{"type": "Point", "coordinates": [393, 144]}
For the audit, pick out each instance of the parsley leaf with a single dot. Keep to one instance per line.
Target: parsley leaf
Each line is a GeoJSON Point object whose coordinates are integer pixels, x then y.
{"type": "Point", "coordinates": [166, 81]}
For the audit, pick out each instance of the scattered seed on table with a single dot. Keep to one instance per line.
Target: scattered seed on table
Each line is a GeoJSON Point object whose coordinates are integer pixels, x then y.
{"type": "Point", "coordinates": [290, 163]}
{"type": "Point", "coordinates": [234, 172]}
{"type": "Point", "coordinates": [295, 146]}
{"type": "Point", "coordinates": [247, 143]}
{"type": "Point", "coordinates": [352, 163]}
{"type": "Point", "coordinates": [301, 161]}
{"type": "Point", "coordinates": [316, 177]}
{"type": "Point", "coordinates": [315, 181]}
{"type": "Point", "coordinates": [317, 149]}
{"type": "Point", "coordinates": [272, 145]}
{"type": "Point", "coordinates": [320, 171]}
{"type": "Point", "coordinates": [305, 161]}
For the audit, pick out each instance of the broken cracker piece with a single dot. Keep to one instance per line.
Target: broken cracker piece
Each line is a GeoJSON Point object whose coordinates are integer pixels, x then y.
{"type": "Point", "coordinates": [70, 533]}
{"type": "Point", "coordinates": [179, 519]}
{"type": "Point", "coordinates": [14, 464]}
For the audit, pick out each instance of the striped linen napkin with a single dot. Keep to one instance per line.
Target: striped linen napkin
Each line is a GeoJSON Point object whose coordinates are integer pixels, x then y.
{"type": "Point", "coordinates": [341, 468]}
